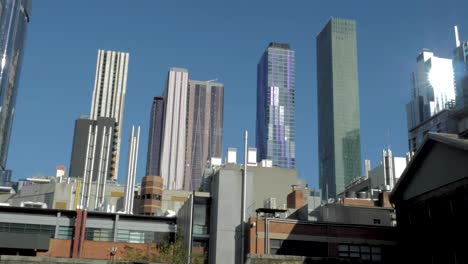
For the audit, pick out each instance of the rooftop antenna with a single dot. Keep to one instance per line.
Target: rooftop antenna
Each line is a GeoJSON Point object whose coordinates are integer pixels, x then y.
{"type": "Point", "coordinates": [457, 39]}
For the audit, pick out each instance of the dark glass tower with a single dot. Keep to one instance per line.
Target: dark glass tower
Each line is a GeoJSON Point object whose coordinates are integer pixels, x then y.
{"type": "Point", "coordinates": [205, 107]}
{"type": "Point", "coordinates": [14, 19]}
{"type": "Point", "coordinates": [153, 159]}
{"type": "Point", "coordinates": [275, 128]}
{"type": "Point", "coordinates": [338, 106]}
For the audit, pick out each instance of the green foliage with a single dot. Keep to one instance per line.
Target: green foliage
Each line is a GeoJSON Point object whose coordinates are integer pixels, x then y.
{"type": "Point", "coordinates": [166, 252]}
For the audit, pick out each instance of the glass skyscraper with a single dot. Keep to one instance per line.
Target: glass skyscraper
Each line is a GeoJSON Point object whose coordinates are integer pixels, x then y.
{"type": "Point", "coordinates": [14, 19]}
{"type": "Point", "coordinates": [460, 66]}
{"type": "Point", "coordinates": [275, 124]}
{"type": "Point", "coordinates": [153, 158]}
{"type": "Point", "coordinates": [338, 106]}
{"type": "Point", "coordinates": [432, 92]}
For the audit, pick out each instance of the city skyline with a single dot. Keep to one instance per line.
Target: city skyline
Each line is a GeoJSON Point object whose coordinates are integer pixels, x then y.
{"type": "Point", "coordinates": [148, 81]}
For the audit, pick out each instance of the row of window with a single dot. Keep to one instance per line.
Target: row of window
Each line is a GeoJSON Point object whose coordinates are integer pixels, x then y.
{"type": "Point", "coordinates": [125, 235]}
{"type": "Point", "coordinates": [28, 229]}
{"type": "Point", "coordinates": [364, 252]}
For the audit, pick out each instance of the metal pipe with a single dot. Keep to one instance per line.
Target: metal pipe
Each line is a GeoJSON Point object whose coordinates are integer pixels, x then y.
{"type": "Point", "coordinates": [244, 191]}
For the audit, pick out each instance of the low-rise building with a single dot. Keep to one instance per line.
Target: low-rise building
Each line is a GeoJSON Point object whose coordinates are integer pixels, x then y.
{"type": "Point", "coordinates": [431, 201]}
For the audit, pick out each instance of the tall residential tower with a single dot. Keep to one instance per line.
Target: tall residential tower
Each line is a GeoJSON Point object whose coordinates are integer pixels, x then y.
{"type": "Point", "coordinates": [173, 148]}
{"type": "Point", "coordinates": [275, 125]}
{"type": "Point", "coordinates": [204, 129]}
{"type": "Point", "coordinates": [14, 19]}
{"type": "Point", "coordinates": [109, 95]}
{"type": "Point", "coordinates": [338, 106]}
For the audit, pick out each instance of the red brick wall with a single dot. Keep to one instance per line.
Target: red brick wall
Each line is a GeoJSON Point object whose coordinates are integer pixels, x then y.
{"type": "Point", "coordinates": [58, 248]}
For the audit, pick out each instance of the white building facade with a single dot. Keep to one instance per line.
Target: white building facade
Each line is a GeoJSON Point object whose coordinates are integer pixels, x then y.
{"type": "Point", "coordinates": [109, 95]}
{"type": "Point", "coordinates": [173, 150]}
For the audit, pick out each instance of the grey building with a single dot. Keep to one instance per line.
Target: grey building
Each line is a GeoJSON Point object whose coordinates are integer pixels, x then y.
{"type": "Point", "coordinates": [14, 19]}
{"type": "Point", "coordinates": [263, 185]}
{"type": "Point", "coordinates": [92, 155]}
{"type": "Point", "coordinates": [155, 137]}
{"type": "Point", "coordinates": [275, 122]}
{"type": "Point", "coordinates": [205, 105]}
{"type": "Point", "coordinates": [338, 106]}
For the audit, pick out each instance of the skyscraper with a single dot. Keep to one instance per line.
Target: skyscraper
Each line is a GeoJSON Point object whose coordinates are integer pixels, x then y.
{"type": "Point", "coordinates": [109, 95]}
{"type": "Point", "coordinates": [204, 129]}
{"type": "Point", "coordinates": [460, 66]}
{"type": "Point", "coordinates": [14, 19]}
{"type": "Point", "coordinates": [275, 126]}
{"type": "Point", "coordinates": [338, 106]}
{"type": "Point", "coordinates": [155, 137]}
{"type": "Point", "coordinates": [173, 148]}
{"type": "Point", "coordinates": [432, 92]}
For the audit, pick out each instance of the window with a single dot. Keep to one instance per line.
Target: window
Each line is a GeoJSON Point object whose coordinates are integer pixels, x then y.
{"type": "Point", "coordinates": [364, 252]}
{"type": "Point", "coordinates": [99, 234]}
{"type": "Point", "coordinates": [377, 221]}
{"type": "Point", "coordinates": [65, 232]}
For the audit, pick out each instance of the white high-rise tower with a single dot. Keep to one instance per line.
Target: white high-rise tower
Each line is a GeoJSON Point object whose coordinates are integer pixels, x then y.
{"type": "Point", "coordinates": [173, 151]}
{"type": "Point", "coordinates": [109, 95]}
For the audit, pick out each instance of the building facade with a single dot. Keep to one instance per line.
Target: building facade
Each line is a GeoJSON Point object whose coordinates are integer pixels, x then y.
{"type": "Point", "coordinates": [91, 158]}
{"type": "Point", "coordinates": [432, 92]}
{"type": "Point", "coordinates": [110, 86]}
{"type": "Point", "coordinates": [204, 129]}
{"type": "Point", "coordinates": [431, 198]}
{"type": "Point", "coordinates": [275, 123]}
{"type": "Point", "coordinates": [338, 106]}
{"type": "Point", "coordinates": [173, 151]}
{"type": "Point", "coordinates": [14, 19]}
{"type": "Point", "coordinates": [460, 67]}
{"type": "Point", "coordinates": [155, 137]}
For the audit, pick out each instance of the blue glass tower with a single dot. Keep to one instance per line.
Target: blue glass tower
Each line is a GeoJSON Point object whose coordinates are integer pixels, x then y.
{"type": "Point", "coordinates": [275, 129]}
{"type": "Point", "coordinates": [14, 18]}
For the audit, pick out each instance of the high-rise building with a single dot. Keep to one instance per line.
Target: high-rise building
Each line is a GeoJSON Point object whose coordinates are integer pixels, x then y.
{"type": "Point", "coordinates": [460, 66]}
{"type": "Point", "coordinates": [14, 19]}
{"type": "Point", "coordinates": [275, 126]}
{"type": "Point", "coordinates": [173, 148]}
{"type": "Point", "coordinates": [155, 137]}
{"type": "Point", "coordinates": [338, 106]}
{"type": "Point", "coordinates": [92, 157]}
{"type": "Point", "coordinates": [204, 129]}
{"type": "Point", "coordinates": [432, 93]}
{"type": "Point", "coordinates": [109, 96]}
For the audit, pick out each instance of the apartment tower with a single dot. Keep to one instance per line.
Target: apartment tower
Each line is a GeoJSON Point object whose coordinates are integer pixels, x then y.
{"type": "Point", "coordinates": [109, 96]}
{"type": "Point", "coordinates": [275, 123]}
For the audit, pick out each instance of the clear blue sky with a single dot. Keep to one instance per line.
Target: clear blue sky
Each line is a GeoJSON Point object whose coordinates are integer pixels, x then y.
{"type": "Point", "coordinates": [224, 40]}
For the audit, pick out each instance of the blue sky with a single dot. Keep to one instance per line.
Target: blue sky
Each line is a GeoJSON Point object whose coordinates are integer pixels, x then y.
{"type": "Point", "coordinates": [224, 40]}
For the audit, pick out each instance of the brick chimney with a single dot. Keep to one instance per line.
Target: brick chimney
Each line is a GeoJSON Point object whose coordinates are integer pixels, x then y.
{"type": "Point", "coordinates": [295, 198]}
